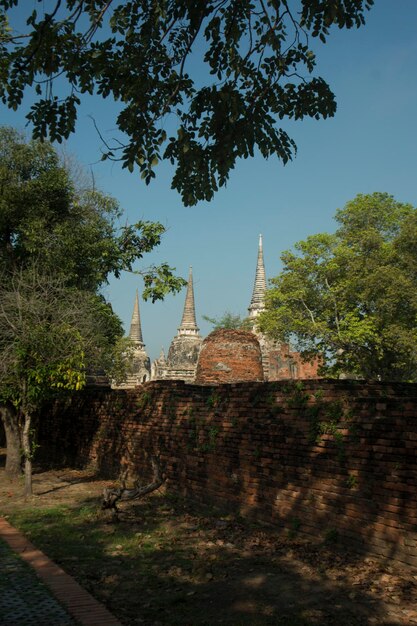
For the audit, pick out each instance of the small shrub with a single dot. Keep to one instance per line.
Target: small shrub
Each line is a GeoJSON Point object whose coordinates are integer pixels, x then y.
{"type": "Point", "coordinates": [213, 400]}
{"type": "Point", "coordinates": [351, 481]}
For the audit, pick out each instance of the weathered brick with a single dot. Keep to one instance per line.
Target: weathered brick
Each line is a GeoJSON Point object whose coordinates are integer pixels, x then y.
{"type": "Point", "coordinates": [228, 356]}
{"type": "Point", "coordinates": [223, 443]}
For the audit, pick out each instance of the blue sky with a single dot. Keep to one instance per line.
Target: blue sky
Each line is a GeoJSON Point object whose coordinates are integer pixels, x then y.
{"type": "Point", "coordinates": [370, 145]}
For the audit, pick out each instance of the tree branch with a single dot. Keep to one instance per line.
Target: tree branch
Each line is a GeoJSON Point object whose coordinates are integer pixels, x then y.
{"type": "Point", "coordinates": [309, 311]}
{"type": "Point", "coordinates": [336, 311]}
{"type": "Point", "coordinates": [111, 496]}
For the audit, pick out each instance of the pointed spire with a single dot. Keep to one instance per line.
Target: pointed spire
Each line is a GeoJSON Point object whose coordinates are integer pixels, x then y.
{"type": "Point", "coordinates": [135, 326]}
{"type": "Point", "coordinates": [257, 303]}
{"type": "Point", "coordinates": [162, 358]}
{"type": "Point", "coordinates": [188, 322]}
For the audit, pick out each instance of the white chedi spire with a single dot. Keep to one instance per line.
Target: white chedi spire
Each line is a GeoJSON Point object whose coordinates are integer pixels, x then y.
{"type": "Point", "coordinates": [188, 323]}
{"type": "Point", "coordinates": [257, 303]}
{"type": "Point", "coordinates": [139, 367]}
{"type": "Point", "coordinates": [162, 359]}
{"type": "Point", "coordinates": [135, 333]}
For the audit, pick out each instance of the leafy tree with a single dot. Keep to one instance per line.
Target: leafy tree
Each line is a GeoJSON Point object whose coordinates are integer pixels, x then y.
{"type": "Point", "coordinates": [70, 230]}
{"type": "Point", "coordinates": [229, 320]}
{"type": "Point", "coordinates": [51, 328]}
{"type": "Point", "coordinates": [49, 333]}
{"type": "Point", "coordinates": [352, 296]}
{"type": "Point", "coordinates": [252, 67]}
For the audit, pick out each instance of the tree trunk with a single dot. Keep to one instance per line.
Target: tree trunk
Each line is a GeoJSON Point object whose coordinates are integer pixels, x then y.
{"type": "Point", "coordinates": [27, 452]}
{"type": "Point", "coordinates": [10, 420]}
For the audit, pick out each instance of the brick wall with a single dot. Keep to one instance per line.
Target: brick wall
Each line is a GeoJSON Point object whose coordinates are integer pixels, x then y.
{"type": "Point", "coordinates": [335, 460]}
{"type": "Point", "coordinates": [284, 364]}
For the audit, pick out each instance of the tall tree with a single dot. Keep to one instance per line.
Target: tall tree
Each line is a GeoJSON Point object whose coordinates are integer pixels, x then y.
{"type": "Point", "coordinates": [59, 245]}
{"type": "Point", "coordinates": [252, 67]}
{"type": "Point", "coordinates": [49, 334]}
{"type": "Point", "coordinates": [351, 297]}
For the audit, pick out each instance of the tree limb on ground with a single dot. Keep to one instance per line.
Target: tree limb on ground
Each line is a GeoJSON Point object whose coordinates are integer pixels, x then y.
{"type": "Point", "coordinates": [111, 496]}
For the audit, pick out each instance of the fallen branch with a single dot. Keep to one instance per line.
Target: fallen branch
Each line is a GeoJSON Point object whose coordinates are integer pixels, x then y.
{"type": "Point", "coordinates": [111, 496]}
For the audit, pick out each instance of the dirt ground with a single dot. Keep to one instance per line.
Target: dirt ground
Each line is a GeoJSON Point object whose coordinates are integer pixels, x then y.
{"type": "Point", "coordinates": [181, 563]}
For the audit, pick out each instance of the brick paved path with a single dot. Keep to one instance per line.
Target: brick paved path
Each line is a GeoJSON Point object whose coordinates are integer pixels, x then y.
{"type": "Point", "coordinates": [25, 601]}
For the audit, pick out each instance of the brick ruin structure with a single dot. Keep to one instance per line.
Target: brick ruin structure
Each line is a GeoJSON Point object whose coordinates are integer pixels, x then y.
{"type": "Point", "coordinates": [229, 356]}
{"type": "Point", "coordinates": [279, 362]}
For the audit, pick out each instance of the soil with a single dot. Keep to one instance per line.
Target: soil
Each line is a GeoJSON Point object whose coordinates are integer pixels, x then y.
{"type": "Point", "coordinates": [197, 566]}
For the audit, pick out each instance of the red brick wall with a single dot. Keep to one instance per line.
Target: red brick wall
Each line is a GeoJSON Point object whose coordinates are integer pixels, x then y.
{"type": "Point", "coordinates": [284, 364]}
{"type": "Point", "coordinates": [335, 460]}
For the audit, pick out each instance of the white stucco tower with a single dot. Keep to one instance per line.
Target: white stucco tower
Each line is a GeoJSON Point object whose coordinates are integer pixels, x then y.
{"type": "Point", "coordinates": [257, 303]}
{"type": "Point", "coordinates": [185, 347]}
{"type": "Point", "coordinates": [140, 370]}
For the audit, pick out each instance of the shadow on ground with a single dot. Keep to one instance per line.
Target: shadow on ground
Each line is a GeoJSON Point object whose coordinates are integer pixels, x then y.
{"type": "Point", "coordinates": [170, 562]}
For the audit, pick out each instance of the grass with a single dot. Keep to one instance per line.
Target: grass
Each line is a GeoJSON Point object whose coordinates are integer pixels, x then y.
{"type": "Point", "coordinates": [109, 560]}
{"type": "Point", "coordinates": [143, 568]}
{"type": "Point", "coordinates": [170, 562]}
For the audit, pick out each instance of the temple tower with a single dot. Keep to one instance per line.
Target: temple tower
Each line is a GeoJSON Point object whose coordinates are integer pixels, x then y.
{"type": "Point", "coordinates": [185, 347]}
{"type": "Point", "coordinates": [140, 367]}
{"type": "Point", "coordinates": [188, 325]}
{"type": "Point", "coordinates": [279, 362]}
{"type": "Point", "coordinates": [135, 332]}
{"type": "Point", "coordinates": [257, 303]}
{"type": "Point", "coordinates": [159, 367]}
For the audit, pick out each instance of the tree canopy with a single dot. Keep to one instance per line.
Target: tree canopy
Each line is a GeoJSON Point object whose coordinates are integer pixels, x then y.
{"type": "Point", "coordinates": [59, 244]}
{"type": "Point", "coordinates": [74, 230]}
{"type": "Point", "coordinates": [199, 84]}
{"type": "Point", "coordinates": [50, 334]}
{"type": "Point", "coordinates": [351, 296]}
